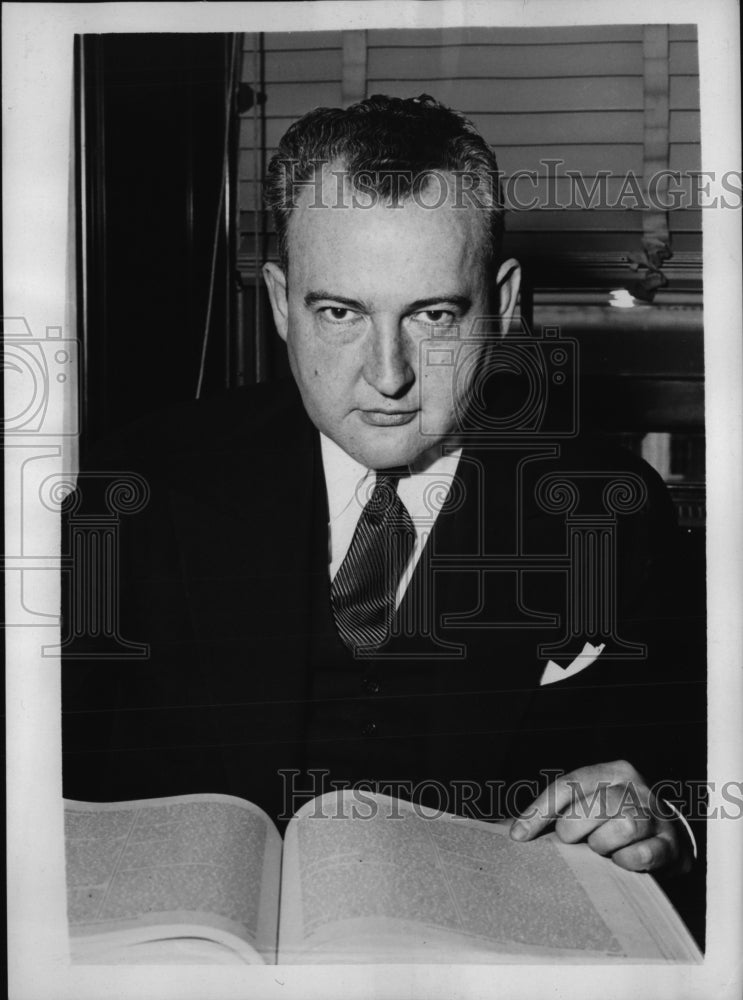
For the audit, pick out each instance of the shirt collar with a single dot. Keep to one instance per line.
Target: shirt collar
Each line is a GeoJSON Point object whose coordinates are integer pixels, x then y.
{"type": "Point", "coordinates": [345, 477]}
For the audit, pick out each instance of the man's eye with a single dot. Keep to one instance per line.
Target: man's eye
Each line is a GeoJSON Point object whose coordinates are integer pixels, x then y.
{"type": "Point", "coordinates": [338, 314]}
{"type": "Point", "coordinates": [436, 317]}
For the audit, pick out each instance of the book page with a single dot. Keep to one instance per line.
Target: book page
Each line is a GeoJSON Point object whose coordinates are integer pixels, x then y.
{"type": "Point", "coordinates": [191, 866]}
{"type": "Point", "coordinates": [376, 879]}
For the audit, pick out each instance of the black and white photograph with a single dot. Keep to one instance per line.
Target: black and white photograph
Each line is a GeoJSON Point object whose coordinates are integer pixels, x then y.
{"type": "Point", "coordinates": [373, 424]}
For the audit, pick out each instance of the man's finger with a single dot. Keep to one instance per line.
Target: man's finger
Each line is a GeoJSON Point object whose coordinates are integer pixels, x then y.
{"type": "Point", "coordinates": [647, 855]}
{"type": "Point", "coordinates": [589, 812]}
{"type": "Point", "coordinates": [617, 833]}
{"type": "Point", "coordinates": [582, 788]}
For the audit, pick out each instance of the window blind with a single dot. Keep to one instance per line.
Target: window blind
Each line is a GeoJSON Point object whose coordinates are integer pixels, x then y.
{"type": "Point", "coordinates": [566, 103]}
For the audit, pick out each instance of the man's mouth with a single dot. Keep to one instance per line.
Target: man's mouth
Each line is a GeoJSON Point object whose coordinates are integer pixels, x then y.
{"type": "Point", "coordinates": [387, 418]}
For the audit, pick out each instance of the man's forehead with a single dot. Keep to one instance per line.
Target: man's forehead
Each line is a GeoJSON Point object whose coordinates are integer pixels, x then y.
{"type": "Point", "coordinates": [335, 203]}
{"type": "Point", "coordinates": [335, 185]}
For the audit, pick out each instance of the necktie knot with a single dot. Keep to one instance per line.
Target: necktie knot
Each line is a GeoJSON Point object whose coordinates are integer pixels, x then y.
{"type": "Point", "coordinates": [384, 496]}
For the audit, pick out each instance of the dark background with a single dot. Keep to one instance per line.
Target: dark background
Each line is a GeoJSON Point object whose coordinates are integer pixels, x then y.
{"type": "Point", "coordinates": [155, 235]}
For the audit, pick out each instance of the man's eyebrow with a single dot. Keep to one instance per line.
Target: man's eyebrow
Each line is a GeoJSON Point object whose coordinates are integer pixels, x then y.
{"type": "Point", "coordinates": [463, 302]}
{"type": "Point", "coordinates": [323, 296]}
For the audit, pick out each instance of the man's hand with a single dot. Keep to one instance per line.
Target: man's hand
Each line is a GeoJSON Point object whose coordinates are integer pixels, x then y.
{"type": "Point", "coordinates": [611, 807]}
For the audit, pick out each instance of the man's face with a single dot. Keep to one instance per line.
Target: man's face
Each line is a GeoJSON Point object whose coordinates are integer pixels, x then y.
{"type": "Point", "coordinates": [367, 289]}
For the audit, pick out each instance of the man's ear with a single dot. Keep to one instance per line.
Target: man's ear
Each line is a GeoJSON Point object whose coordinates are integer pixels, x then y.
{"type": "Point", "coordinates": [276, 284]}
{"type": "Point", "coordinates": [508, 283]}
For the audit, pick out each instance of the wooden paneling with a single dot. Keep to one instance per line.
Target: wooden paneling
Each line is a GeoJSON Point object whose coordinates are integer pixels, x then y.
{"type": "Point", "coordinates": [588, 158]}
{"type": "Point", "coordinates": [683, 33]}
{"type": "Point", "coordinates": [508, 36]}
{"type": "Point", "coordinates": [685, 126]}
{"type": "Point", "coordinates": [683, 57]}
{"type": "Point", "coordinates": [573, 94]}
{"type": "Point", "coordinates": [282, 41]}
{"type": "Point", "coordinates": [291, 100]}
{"type": "Point", "coordinates": [498, 61]}
{"type": "Point", "coordinates": [304, 66]}
{"type": "Point", "coordinates": [684, 93]}
{"type": "Point", "coordinates": [686, 156]}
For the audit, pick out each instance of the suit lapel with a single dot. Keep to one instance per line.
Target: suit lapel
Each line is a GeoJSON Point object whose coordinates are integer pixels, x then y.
{"type": "Point", "coordinates": [467, 604]}
{"type": "Point", "coordinates": [479, 678]}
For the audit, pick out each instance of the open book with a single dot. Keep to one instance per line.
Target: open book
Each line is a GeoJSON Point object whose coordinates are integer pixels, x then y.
{"type": "Point", "coordinates": [358, 878]}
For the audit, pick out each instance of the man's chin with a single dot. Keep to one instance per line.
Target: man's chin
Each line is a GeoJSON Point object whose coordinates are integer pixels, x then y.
{"type": "Point", "coordinates": [388, 451]}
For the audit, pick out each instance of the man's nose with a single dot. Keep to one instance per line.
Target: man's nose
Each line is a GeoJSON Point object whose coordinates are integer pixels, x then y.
{"type": "Point", "coordinates": [388, 365]}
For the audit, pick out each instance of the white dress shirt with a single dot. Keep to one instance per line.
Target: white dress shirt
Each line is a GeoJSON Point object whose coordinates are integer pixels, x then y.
{"type": "Point", "coordinates": [350, 484]}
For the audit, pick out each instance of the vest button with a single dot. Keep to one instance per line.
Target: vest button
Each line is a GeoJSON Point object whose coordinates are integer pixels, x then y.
{"type": "Point", "coordinates": [370, 685]}
{"type": "Point", "coordinates": [369, 729]}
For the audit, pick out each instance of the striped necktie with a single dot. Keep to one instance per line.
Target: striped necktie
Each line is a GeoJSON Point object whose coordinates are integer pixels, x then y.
{"type": "Point", "coordinates": [363, 590]}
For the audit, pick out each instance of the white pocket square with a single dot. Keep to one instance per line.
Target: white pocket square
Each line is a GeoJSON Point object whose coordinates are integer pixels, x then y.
{"type": "Point", "coordinates": [553, 673]}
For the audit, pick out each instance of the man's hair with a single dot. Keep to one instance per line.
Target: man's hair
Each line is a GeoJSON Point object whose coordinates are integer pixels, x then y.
{"type": "Point", "coordinates": [388, 146]}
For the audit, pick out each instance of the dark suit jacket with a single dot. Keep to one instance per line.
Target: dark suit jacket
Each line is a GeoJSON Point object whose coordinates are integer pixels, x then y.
{"type": "Point", "coordinates": [247, 690]}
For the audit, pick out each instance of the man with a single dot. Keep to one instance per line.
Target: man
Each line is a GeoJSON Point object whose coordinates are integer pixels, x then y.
{"type": "Point", "coordinates": [369, 580]}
